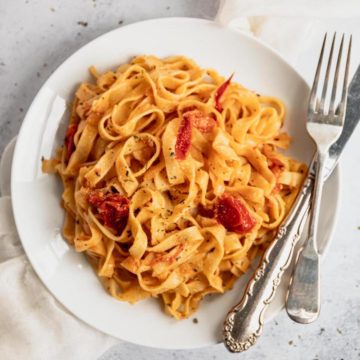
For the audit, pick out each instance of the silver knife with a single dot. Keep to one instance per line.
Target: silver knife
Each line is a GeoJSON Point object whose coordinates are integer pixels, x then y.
{"type": "Point", "coordinates": [301, 308]}
{"type": "Point", "coordinates": [244, 323]}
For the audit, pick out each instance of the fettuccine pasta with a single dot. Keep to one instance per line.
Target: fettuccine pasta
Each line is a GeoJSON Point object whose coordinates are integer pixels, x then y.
{"type": "Point", "coordinates": [173, 182]}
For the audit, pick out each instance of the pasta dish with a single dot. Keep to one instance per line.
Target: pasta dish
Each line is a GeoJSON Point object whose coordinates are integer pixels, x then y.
{"type": "Point", "coordinates": [173, 179]}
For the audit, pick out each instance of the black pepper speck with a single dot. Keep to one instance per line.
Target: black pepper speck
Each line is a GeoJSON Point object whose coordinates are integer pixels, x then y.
{"type": "Point", "coordinates": [83, 23]}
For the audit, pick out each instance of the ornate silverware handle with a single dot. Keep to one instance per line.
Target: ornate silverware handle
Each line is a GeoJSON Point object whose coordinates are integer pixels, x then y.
{"type": "Point", "coordinates": [244, 323]}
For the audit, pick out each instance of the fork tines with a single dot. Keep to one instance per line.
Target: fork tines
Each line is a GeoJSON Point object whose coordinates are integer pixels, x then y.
{"type": "Point", "coordinates": [318, 105]}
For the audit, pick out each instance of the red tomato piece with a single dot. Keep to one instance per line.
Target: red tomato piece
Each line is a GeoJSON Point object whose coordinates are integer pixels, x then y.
{"type": "Point", "coordinates": [69, 140]}
{"type": "Point", "coordinates": [96, 198]}
{"type": "Point", "coordinates": [233, 214]}
{"type": "Point", "coordinates": [113, 209]}
{"type": "Point", "coordinates": [220, 91]}
{"type": "Point", "coordinates": [203, 122]}
{"type": "Point", "coordinates": [183, 139]}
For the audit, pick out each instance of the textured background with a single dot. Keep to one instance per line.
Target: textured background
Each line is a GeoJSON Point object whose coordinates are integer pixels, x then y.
{"type": "Point", "coordinates": [37, 35]}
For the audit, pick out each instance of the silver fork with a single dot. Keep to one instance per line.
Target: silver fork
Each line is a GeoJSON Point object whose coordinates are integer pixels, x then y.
{"type": "Point", "coordinates": [324, 125]}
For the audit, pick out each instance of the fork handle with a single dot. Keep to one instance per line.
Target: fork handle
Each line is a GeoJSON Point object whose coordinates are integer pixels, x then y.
{"type": "Point", "coordinates": [303, 297]}
{"type": "Point", "coordinates": [244, 323]}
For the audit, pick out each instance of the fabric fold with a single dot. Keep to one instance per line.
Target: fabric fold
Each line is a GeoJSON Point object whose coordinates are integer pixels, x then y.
{"type": "Point", "coordinates": [34, 325]}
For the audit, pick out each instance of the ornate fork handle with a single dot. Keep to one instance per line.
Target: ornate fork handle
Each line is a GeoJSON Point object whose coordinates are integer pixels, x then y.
{"type": "Point", "coordinates": [243, 324]}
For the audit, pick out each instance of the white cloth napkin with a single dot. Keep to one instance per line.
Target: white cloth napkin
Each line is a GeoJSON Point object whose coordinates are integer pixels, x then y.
{"type": "Point", "coordinates": [283, 24]}
{"type": "Point", "coordinates": [33, 325]}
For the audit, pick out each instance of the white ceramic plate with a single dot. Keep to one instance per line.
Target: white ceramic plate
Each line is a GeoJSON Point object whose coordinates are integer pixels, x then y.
{"type": "Point", "coordinates": [36, 196]}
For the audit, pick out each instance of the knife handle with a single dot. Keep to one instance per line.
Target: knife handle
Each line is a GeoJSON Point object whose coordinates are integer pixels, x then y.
{"type": "Point", "coordinates": [244, 323]}
{"type": "Point", "coordinates": [303, 296]}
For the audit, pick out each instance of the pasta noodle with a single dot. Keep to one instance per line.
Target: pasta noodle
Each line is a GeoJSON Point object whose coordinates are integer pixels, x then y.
{"type": "Point", "coordinates": [173, 182]}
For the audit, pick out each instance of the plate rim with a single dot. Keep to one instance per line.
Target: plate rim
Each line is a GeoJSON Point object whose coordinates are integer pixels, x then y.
{"type": "Point", "coordinates": [17, 150]}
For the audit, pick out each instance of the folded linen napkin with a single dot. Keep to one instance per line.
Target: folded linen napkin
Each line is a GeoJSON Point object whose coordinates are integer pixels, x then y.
{"type": "Point", "coordinates": [33, 324]}
{"type": "Point", "coordinates": [284, 24]}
